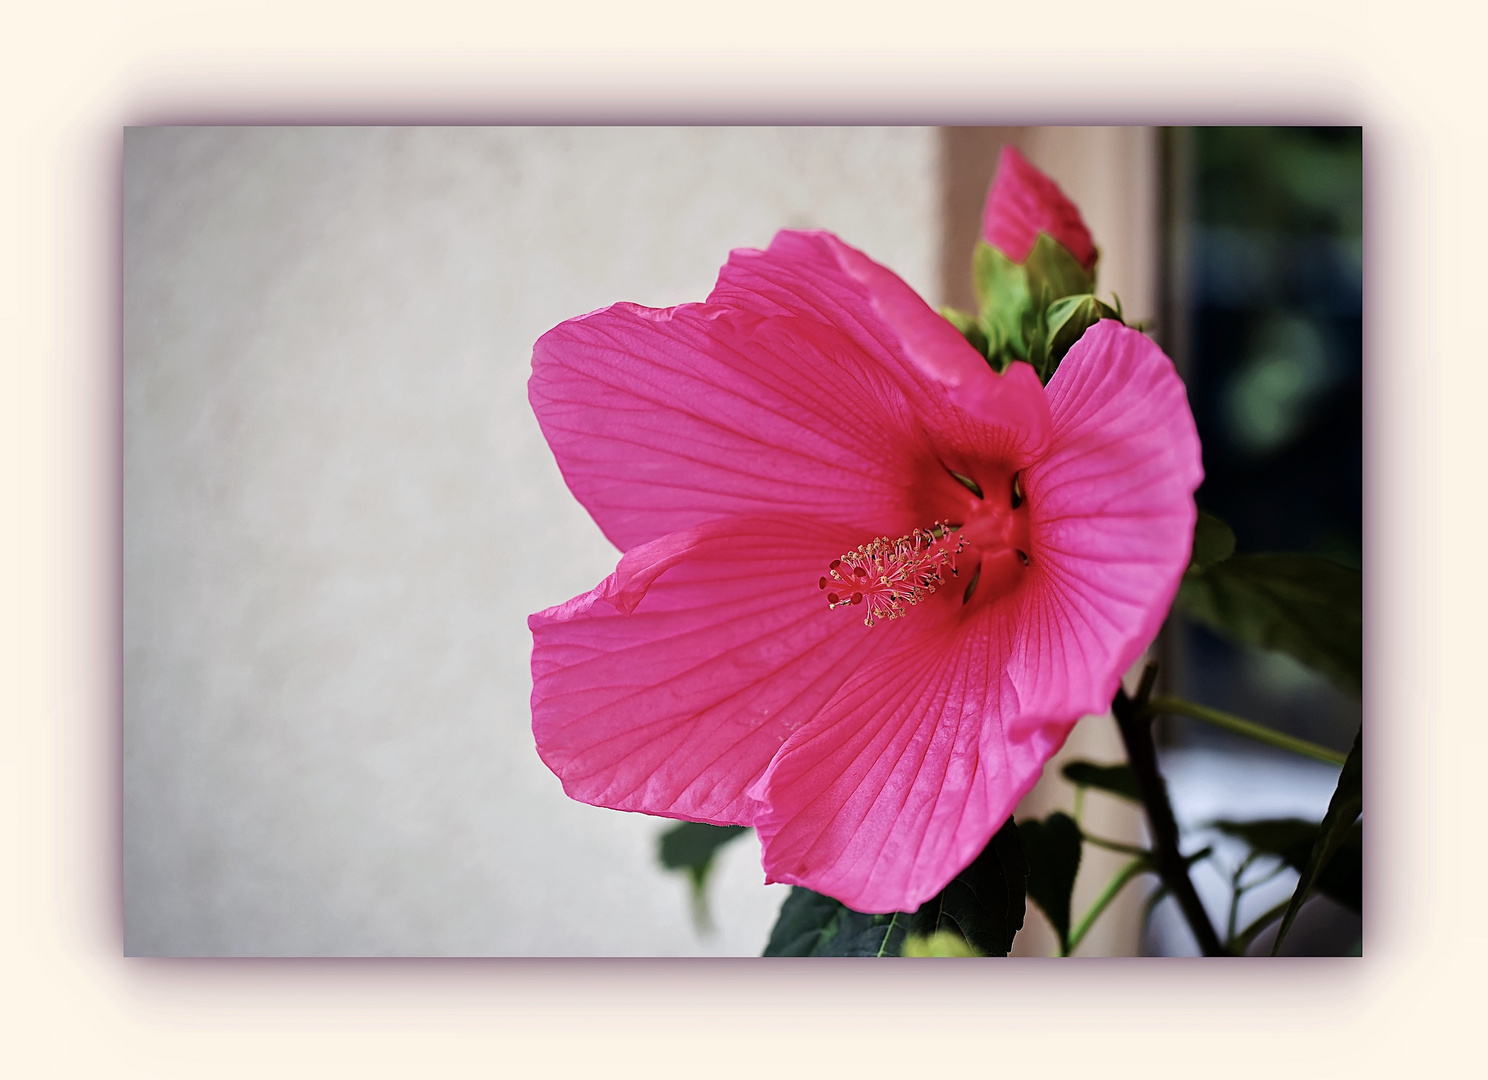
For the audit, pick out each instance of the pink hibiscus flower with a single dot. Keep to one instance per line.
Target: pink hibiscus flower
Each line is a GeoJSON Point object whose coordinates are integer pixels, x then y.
{"type": "Point", "coordinates": [1022, 203]}
{"type": "Point", "coordinates": [1019, 548]}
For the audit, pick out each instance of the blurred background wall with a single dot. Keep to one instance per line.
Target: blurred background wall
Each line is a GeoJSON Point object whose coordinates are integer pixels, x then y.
{"type": "Point", "coordinates": [338, 509]}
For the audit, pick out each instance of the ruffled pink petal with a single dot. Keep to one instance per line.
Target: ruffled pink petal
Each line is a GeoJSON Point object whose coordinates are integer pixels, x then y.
{"type": "Point", "coordinates": [813, 382]}
{"type": "Point", "coordinates": [1022, 203]}
{"type": "Point", "coordinates": [1112, 518]}
{"type": "Point", "coordinates": [959, 399]}
{"type": "Point", "coordinates": [903, 778]}
{"type": "Point", "coordinates": [669, 687]}
{"type": "Point", "coordinates": [661, 420]}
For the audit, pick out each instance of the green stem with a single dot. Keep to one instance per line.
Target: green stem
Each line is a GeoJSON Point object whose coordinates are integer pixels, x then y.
{"type": "Point", "coordinates": [1103, 901]}
{"type": "Point", "coordinates": [1236, 892]}
{"type": "Point", "coordinates": [1249, 728]}
{"type": "Point", "coordinates": [1117, 846]}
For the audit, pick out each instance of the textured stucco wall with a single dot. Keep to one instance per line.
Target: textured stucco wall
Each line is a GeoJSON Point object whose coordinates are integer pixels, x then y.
{"type": "Point", "coordinates": [338, 512]}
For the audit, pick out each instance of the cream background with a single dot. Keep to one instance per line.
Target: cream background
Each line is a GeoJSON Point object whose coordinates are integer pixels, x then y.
{"type": "Point", "coordinates": [338, 511]}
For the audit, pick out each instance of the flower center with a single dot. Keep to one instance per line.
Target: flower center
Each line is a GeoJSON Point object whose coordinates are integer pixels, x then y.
{"type": "Point", "coordinates": [993, 536]}
{"type": "Point", "coordinates": [891, 576]}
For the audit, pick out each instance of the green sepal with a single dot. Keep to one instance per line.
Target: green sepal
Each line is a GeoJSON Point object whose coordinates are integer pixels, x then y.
{"type": "Point", "coordinates": [1004, 308]}
{"type": "Point", "coordinates": [1013, 300]}
{"type": "Point", "coordinates": [983, 905]}
{"type": "Point", "coordinates": [1066, 319]}
{"type": "Point", "coordinates": [1053, 847]}
{"type": "Point", "coordinates": [1307, 607]}
{"type": "Point", "coordinates": [1054, 273]}
{"type": "Point", "coordinates": [969, 326]}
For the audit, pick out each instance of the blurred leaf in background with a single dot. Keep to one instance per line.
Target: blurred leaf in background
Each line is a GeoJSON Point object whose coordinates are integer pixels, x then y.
{"type": "Point", "coordinates": [1306, 607]}
{"type": "Point", "coordinates": [1052, 848]}
{"type": "Point", "coordinates": [691, 846]}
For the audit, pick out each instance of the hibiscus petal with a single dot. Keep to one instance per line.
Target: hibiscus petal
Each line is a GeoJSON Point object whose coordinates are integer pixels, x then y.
{"type": "Point", "coordinates": [1022, 203]}
{"type": "Point", "coordinates": [904, 776]}
{"type": "Point", "coordinates": [663, 419]}
{"type": "Point", "coordinates": [960, 400]}
{"type": "Point", "coordinates": [677, 706]}
{"type": "Point", "coordinates": [1112, 518]}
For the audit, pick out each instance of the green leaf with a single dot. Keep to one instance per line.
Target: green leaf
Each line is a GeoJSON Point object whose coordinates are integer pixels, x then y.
{"type": "Point", "coordinates": [985, 902]}
{"type": "Point", "coordinates": [1292, 841]}
{"type": "Point", "coordinates": [1116, 779]}
{"type": "Point", "coordinates": [1345, 806]}
{"type": "Point", "coordinates": [691, 846]}
{"type": "Point", "coordinates": [982, 905]}
{"type": "Point", "coordinates": [1307, 607]}
{"type": "Point", "coordinates": [969, 327]}
{"type": "Point", "coordinates": [811, 924]}
{"type": "Point", "coordinates": [1066, 319]}
{"type": "Point", "coordinates": [1053, 848]}
{"type": "Point", "coordinates": [1214, 542]}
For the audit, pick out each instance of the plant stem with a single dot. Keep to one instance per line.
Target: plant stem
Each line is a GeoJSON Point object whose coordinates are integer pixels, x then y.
{"type": "Point", "coordinates": [1116, 846]}
{"type": "Point", "coordinates": [1134, 719]}
{"type": "Point", "coordinates": [1114, 886]}
{"type": "Point", "coordinates": [1249, 728]}
{"type": "Point", "coordinates": [1235, 893]}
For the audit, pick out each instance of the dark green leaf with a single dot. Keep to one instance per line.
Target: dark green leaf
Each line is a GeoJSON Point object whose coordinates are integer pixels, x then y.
{"type": "Point", "coordinates": [983, 905]}
{"type": "Point", "coordinates": [1053, 847]}
{"type": "Point", "coordinates": [1307, 607]}
{"type": "Point", "coordinates": [1345, 806]}
{"type": "Point", "coordinates": [1116, 779]}
{"type": "Point", "coordinates": [811, 924]}
{"type": "Point", "coordinates": [1066, 319]}
{"type": "Point", "coordinates": [1214, 542]}
{"type": "Point", "coordinates": [1274, 836]}
{"type": "Point", "coordinates": [691, 845]}
{"type": "Point", "coordinates": [1292, 840]}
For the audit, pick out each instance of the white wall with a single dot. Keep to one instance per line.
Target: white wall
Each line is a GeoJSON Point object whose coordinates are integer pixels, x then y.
{"type": "Point", "coordinates": [338, 512]}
